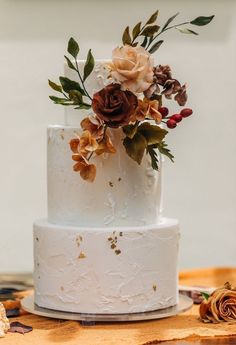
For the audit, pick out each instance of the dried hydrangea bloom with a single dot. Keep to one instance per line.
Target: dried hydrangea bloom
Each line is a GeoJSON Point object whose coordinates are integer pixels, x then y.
{"type": "Point", "coordinates": [87, 171]}
{"type": "Point", "coordinates": [105, 146]}
{"type": "Point", "coordinates": [4, 322]}
{"type": "Point", "coordinates": [147, 109]}
{"type": "Point", "coordinates": [220, 306]}
{"type": "Point", "coordinates": [170, 86]}
{"type": "Point", "coordinates": [94, 125]}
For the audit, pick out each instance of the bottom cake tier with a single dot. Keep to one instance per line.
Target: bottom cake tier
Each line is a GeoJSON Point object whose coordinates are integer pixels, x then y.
{"type": "Point", "coordinates": [106, 270]}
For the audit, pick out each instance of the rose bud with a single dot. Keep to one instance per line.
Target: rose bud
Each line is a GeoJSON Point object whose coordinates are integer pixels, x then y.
{"type": "Point", "coordinates": [171, 123]}
{"type": "Point", "coordinates": [164, 111]}
{"type": "Point", "coordinates": [176, 117]}
{"type": "Point", "coordinates": [186, 112]}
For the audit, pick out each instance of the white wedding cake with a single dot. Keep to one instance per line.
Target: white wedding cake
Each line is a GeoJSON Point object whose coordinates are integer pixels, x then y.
{"type": "Point", "coordinates": [105, 247]}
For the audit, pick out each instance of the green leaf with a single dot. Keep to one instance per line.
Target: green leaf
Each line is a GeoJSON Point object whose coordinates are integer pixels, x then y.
{"type": "Point", "coordinates": [186, 31]}
{"type": "Point", "coordinates": [153, 134]}
{"type": "Point", "coordinates": [69, 63]}
{"type": "Point", "coordinates": [162, 147]}
{"type": "Point", "coordinates": [89, 65]}
{"type": "Point", "coordinates": [154, 157]}
{"type": "Point", "coordinates": [58, 100]}
{"type": "Point", "coordinates": [153, 18]}
{"type": "Point", "coordinates": [55, 86]}
{"type": "Point", "coordinates": [84, 106]}
{"type": "Point", "coordinates": [76, 96]}
{"type": "Point", "coordinates": [155, 46]}
{"type": "Point", "coordinates": [126, 39]}
{"type": "Point", "coordinates": [205, 295]}
{"type": "Point", "coordinates": [135, 147]}
{"type": "Point", "coordinates": [169, 21]}
{"type": "Point", "coordinates": [136, 30]}
{"type": "Point", "coordinates": [73, 47]}
{"type": "Point", "coordinates": [69, 85]}
{"type": "Point", "coordinates": [145, 41]}
{"type": "Point", "coordinates": [149, 31]}
{"type": "Point", "coordinates": [130, 130]}
{"type": "Point", "coordinates": [201, 21]}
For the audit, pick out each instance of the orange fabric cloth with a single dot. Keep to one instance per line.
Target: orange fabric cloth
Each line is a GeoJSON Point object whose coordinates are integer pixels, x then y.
{"type": "Point", "coordinates": [50, 331]}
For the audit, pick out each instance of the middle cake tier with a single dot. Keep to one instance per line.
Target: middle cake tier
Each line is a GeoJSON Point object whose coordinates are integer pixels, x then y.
{"type": "Point", "coordinates": [123, 193]}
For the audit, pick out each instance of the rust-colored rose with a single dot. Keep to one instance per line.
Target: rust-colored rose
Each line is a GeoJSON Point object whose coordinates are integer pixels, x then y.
{"type": "Point", "coordinates": [114, 106]}
{"type": "Point", "coordinates": [220, 306]}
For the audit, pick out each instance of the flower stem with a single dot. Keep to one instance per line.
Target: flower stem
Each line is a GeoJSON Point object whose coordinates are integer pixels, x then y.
{"type": "Point", "coordinates": [81, 80]}
{"type": "Point", "coordinates": [99, 141]}
{"type": "Point", "coordinates": [168, 28]}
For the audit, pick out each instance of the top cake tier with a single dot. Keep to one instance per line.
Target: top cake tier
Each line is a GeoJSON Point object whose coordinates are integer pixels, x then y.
{"type": "Point", "coordinates": [123, 193]}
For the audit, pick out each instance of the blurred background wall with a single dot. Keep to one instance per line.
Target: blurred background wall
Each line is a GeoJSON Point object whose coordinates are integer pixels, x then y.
{"type": "Point", "coordinates": [199, 189]}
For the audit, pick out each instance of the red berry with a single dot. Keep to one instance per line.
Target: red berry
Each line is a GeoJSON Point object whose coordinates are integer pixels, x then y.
{"type": "Point", "coordinates": [171, 123]}
{"type": "Point", "coordinates": [164, 111]}
{"type": "Point", "coordinates": [176, 117]}
{"type": "Point", "coordinates": [186, 112]}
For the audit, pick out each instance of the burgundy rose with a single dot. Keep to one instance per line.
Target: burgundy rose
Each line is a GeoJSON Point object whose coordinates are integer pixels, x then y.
{"type": "Point", "coordinates": [114, 106]}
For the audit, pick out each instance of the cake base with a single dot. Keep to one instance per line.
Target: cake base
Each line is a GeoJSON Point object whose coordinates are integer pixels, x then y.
{"type": "Point", "coordinates": [184, 304]}
{"type": "Point", "coordinates": [106, 270]}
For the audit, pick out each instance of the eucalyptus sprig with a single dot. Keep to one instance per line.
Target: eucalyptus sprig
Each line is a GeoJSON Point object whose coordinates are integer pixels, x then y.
{"type": "Point", "coordinates": [74, 92]}
{"type": "Point", "coordinates": [151, 31]}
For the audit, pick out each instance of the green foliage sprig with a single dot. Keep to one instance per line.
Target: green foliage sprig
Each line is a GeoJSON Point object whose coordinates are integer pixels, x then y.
{"type": "Point", "coordinates": [145, 137]}
{"type": "Point", "coordinates": [74, 92]}
{"type": "Point", "coordinates": [151, 31]}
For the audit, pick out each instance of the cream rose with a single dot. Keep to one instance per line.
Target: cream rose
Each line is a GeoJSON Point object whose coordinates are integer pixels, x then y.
{"type": "Point", "coordinates": [132, 67]}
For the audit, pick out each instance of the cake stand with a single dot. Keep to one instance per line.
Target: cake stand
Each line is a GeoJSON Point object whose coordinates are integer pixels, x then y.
{"type": "Point", "coordinates": [184, 304]}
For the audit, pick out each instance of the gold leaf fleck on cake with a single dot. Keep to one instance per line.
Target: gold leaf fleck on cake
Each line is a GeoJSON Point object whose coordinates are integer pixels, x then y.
{"type": "Point", "coordinates": [154, 287]}
{"type": "Point", "coordinates": [113, 242]}
{"type": "Point", "coordinates": [121, 233]}
{"type": "Point", "coordinates": [78, 240]}
{"type": "Point", "coordinates": [82, 256]}
{"type": "Point", "coordinates": [62, 134]}
{"type": "Point", "coordinates": [111, 184]}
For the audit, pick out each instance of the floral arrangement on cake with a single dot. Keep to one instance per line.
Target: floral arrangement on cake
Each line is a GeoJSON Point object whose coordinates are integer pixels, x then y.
{"type": "Point", "coordinates": [132, 100]}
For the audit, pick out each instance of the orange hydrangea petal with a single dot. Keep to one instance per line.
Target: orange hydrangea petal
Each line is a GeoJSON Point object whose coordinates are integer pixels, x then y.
{"type": "Point", "coordinates": [88, 172]}
{"type": "Point", "coordinates": [74, 145]}
{"type": "Point", "coordinates": [105, 146]}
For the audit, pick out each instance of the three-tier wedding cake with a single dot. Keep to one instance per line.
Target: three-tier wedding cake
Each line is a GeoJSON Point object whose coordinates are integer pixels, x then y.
{"type": "Point", "coordinates": [105, 247]}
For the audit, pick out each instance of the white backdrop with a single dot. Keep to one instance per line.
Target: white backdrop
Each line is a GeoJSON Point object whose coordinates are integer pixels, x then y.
{"type": "Point", "coordinates": [200, 188]}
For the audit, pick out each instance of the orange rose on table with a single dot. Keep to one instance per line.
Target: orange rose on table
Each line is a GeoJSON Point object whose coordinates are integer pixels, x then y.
{"type": "Point", "coordinates": [220, 306]}
{"type": "Point", "coordinates": [132, 67]}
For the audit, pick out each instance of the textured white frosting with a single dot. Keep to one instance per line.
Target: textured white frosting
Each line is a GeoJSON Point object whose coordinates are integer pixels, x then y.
{"type": "Point", "coordinates": [123, 193]}
{"type": "Point", "coordinates": [76, 269]}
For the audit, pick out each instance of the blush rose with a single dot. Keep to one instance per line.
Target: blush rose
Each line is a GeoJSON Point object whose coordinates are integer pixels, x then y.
{"type": "Point", "coordinates": [132, 67]}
